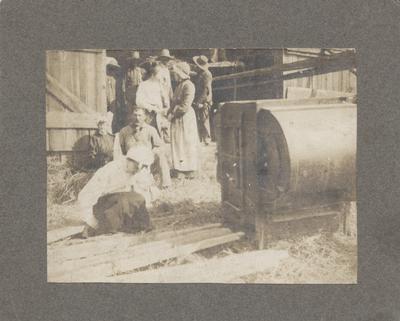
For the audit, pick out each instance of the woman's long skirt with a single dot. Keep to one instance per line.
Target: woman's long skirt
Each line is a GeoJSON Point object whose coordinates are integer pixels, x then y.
{"type": "Point", "coordinates": [185, 142]}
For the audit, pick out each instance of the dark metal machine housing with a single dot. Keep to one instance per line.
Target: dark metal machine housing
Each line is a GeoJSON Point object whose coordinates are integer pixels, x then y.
{"type": "Point", "coordinates": [286, 160]}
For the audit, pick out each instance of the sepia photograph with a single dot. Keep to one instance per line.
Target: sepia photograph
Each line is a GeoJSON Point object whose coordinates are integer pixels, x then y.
{"type": "Point", "coordinates": [209, 165]}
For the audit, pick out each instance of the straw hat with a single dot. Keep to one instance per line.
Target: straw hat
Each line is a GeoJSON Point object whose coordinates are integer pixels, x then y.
{"type": "Point", "coordinates": [165, 54]}
{"type": "Point", "coordinates": [110, 61]}
{"type": "Point", "coordinates": [201, 62]}
{"type": "Point", "coordinates": [182, 69]}
{"type": "Point", "coordinates": [135, 55]}
{"type": "Point", "coordinates": [134, 58]}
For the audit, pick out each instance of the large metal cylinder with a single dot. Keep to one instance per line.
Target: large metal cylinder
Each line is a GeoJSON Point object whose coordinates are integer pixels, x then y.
{"type": "Point", "coordinates": [309, 152]}
{"type": "Point", "coordinates": [287, 155]}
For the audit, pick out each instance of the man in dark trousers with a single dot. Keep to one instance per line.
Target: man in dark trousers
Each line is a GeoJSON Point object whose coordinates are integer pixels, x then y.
{"type": "Point", "coordinates": [203, 98]}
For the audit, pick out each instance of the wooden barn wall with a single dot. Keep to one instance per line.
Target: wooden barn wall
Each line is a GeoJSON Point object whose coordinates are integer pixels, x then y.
{"type": "Point", "coordinates": [80, 73]}
{"type": "Point", "coordinates": [342, 81]}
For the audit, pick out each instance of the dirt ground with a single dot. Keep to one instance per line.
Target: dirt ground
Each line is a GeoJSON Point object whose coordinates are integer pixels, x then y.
{"type": "Point", "coordinates": [320, 258]}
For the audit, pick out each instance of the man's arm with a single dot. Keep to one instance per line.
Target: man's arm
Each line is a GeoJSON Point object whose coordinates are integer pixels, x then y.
{"type": "Point", "coordinates": [155, 138]}
{"type": "Point", "coordinates": [122, 141]}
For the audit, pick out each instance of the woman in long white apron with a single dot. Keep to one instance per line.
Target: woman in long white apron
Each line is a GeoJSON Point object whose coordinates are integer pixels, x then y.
{"type": "Point", "coordinates": [184, 134]}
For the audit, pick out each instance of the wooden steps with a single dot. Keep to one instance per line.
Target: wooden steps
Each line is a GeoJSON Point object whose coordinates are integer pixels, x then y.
{"type": "Point", "coordinates": [122, 253]}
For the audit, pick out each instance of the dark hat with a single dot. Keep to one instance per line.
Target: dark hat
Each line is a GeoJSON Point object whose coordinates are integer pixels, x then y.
{"type": "Point", "coordinates": [201, 62]}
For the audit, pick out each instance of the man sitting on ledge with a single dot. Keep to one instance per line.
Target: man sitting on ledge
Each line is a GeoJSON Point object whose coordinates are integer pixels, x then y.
{"type": "Point", "coordinates": [115, 198]}
{"type": "Point", "coordinates": [139, 132]}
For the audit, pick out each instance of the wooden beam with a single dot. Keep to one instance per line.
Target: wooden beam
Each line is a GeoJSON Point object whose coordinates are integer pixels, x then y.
{"type": "Point", "coordinates": [63, 233]}
{"type": "Point", "coordinates": [289, 217]}
{"type": "Point", "coordinates": [293, 75]}
{"type": "Point", "coordinates": [344, 60]}
{"type": "Point", "coordinates": [68, 99]}
{"type": "Point", "coordinates": [225, 64]}
{"type": "Point", "coordinates": [69, 120]}
{"type": "Point", "coordinates": [228, 269]}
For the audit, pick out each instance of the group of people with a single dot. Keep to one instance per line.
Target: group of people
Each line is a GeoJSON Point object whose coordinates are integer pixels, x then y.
{"type": "Point", "coordinates": [167, 118]}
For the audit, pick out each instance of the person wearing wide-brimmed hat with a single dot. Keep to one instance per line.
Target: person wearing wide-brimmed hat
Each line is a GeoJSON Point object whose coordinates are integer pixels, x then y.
{"type": "Point", "coordinates": [166, 61]}
{"type": "Point", "coordinates": [184, 136]}
{"type": "Point", "coordinates": [134, 76]}
{"type": "Point", "coordinates": [112, 69]}
{"type": "Point", "coordinates": [115, 94]}
{"type": "Point", "coordinates": [203, 97]}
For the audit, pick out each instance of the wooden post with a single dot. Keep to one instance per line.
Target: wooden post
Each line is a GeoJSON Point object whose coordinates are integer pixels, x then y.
{"type": "Point", "coordinates": [101, 100]}
{"type": "Point", "coordinates": [234, 89]}
{"type": "Point", "coordinates": [344, 216]}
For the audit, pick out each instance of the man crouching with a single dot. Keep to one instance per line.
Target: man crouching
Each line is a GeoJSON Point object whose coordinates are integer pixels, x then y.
{"type": "Point", "coordinates": [115, 198]}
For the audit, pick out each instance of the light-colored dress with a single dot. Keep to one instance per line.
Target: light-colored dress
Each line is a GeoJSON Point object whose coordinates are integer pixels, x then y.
{"type": "Point", "coordinates": [184, 135]}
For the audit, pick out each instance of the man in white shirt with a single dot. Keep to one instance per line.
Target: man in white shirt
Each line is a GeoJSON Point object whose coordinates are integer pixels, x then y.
{"type": "Point", "coordinates": [116, 196]}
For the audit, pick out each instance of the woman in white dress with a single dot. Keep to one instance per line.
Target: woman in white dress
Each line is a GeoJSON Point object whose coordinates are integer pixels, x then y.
{"type": "Point", "coordinates": [184, 135]}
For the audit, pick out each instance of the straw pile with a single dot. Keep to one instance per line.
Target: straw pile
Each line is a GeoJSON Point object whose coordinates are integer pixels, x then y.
{"type": "Point", "coordinates": [63, 183]}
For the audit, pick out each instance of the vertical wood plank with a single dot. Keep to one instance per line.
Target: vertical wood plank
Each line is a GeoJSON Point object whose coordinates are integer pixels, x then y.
{"type": "Point", "coordinates": [101, 102]}
{"type": "Point", "coordinates": [91, 80]}
{"type": "Point", "coordinates": [340, 86]}
{"type": "Point", "coordinates": [83, 78]}
{"type": "Point", "coordinates": [75, 75]}
{"type": "Point", "coordinates": [47, 140]}
{"type": "Point", "coordinates": [56, 139]}
{"type": "Point", "coordinates": [353, 82]}
{"type": "Point", "coordinates": [325, 81]}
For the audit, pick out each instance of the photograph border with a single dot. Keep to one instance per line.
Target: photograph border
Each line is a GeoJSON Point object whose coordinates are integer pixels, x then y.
{"type": "Point", "coordinates": [30, 28]}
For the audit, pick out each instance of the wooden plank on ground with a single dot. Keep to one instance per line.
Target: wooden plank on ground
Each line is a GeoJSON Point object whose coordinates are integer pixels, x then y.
{"type": "Point", "coordinates": [98, 273]}
{"type": "Point", "coordinates": [220, 270]}
{"type": "Point", "coordinates": [63, 233]}
{"type": "Point", "coordinates": [106, 243]}
{"type": "Point", "coordinates": [123, 250]}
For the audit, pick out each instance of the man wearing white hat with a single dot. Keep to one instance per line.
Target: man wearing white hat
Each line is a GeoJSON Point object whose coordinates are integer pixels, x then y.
{"type": "Point", "coordinates": [166, 59]}
{"type": "Point", "coordinates": [116, 197]}
{"type": "Point", "coordinates": [112, 69]}
{"type": "Point", "coordinates": [134, 76]}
